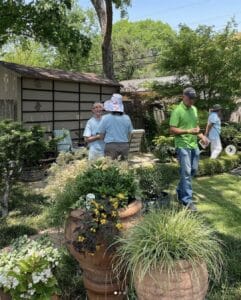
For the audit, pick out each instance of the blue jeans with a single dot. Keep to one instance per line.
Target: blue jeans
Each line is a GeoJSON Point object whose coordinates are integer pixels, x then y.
{"type": "Point", "coordinates": [188, 160]}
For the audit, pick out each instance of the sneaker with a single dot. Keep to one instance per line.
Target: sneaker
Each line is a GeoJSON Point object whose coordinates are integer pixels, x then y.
{"type": "Point", "coordinates": [191, 206]}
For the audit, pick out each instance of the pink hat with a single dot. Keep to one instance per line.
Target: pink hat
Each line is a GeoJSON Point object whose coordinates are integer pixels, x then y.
{"type": "Point", "coordinates": [114, 104]}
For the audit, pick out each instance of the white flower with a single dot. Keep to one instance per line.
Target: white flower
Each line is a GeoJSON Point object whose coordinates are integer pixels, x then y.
{"type": "Point", "coordinates": [16, 270]}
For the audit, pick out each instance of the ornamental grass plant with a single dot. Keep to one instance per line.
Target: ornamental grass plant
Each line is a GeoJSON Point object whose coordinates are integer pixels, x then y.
{"type": "Point", "coordinates": [165, 237]}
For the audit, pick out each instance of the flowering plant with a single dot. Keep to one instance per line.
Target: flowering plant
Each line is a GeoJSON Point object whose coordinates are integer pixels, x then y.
{"type": "Point", "coordinates": [100, 223]}
{"type": "Point", "coordinates": [26, 271]}
{"type": "Point", "coordinates": [101, 190]}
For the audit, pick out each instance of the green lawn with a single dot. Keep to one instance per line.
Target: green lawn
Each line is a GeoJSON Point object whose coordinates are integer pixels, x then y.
{"type": "Point", "coordinates": [219, 200]}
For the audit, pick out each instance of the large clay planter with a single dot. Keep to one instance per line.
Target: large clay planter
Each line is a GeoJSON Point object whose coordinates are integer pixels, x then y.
{"type": "Point", "coordinates": [186, 283]}
{"type": "Point", "coordinates": [99, 280]}
{"type": "Point", "coordinates": [4, 296]}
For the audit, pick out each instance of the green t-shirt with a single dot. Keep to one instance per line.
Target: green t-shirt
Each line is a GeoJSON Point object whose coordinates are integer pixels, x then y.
{"type": "Point", "coordinates": [184, 117]}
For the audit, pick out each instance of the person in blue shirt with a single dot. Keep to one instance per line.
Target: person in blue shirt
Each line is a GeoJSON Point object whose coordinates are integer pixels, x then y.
{"type": "Point", "coordinates": [115, 128]}
{"type": "Point", "coordinates": [91, 133]}
{"type": "Point", "coordinates": [213, 131]}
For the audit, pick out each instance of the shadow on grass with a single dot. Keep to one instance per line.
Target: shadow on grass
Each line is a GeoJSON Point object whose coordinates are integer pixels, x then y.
{"type": "Point", "coordinates": [219, 201]}
{"type": "Point", "coordinates": [25, 202]}
{"type": "Point", "coordinates": [9, 233]}
{"type": "Point", "coordinates": [229, 287]}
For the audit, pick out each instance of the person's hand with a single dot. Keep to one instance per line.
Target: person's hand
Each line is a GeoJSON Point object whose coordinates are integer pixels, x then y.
{"type": "Point", "coordinates": [195, 130]}
{"type": "Point", "coordinates": [204, 140]}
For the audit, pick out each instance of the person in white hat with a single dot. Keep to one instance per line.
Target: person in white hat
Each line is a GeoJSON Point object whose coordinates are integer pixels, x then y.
{"type": "Point", "coordinates": [115, 128]}
{"type": "Point", "coordinates": [213, 131]}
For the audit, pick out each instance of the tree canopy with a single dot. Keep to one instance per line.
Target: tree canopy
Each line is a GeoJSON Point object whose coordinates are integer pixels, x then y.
{"type": "Point", "coordinates": [45, 21]}
{"type": "Point", "coordinates": [210, 60]}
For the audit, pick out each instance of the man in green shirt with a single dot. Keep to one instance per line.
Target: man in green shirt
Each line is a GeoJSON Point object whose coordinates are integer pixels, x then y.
{"type": "Point", "coordinates": [184, 126]}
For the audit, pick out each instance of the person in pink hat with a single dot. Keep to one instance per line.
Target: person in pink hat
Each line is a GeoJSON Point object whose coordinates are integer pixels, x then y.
{"type": "Point", "coordinates": [115, 128]}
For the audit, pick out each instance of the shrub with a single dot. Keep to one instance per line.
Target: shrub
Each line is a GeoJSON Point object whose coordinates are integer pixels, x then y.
{"type": "Point", "coordinates": [231, 135]}
{"type": "Point", "coordinates": [164, 237]}
{"type": "Point", "coordinates": [104, 178]}
{"type": "Point", "coordinates": [155, 179]}
{"type": "Point", "coordinates": [164, 148]}
{"type": "Point", "coordinates": [223, 164]}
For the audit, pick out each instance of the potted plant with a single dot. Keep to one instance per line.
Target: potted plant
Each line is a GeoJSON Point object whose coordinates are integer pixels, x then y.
{"type": "Point", "coordinates": [98, 204]}
{"type": "Point", "coordinates": [154, 182]}
{"type": "Point", "coordinates": [26, 270]}
{"type": "Point", "coordinates": [169, 254]}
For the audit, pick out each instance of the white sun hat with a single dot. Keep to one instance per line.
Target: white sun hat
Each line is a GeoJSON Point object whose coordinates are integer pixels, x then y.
{"type": "Point", "coordinates": [114, 104]}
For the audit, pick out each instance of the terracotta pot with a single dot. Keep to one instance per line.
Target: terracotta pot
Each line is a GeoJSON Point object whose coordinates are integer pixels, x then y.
{"type": "Point", "coordinates": [4, 296]}
{"type": "Point", "coordinates": [99, 280]}
{"type": "Point", "coordinates": [186, 283]}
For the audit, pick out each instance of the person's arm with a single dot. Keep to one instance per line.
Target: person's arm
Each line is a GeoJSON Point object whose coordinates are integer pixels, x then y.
{"type": "Point", "coordinates": [208, 128]}
{"type": "Point", "coordinates": [179, 131]}
{"type": "Point", "coordinates": [93, 138]}
{"type": "Point", "coordinates": [88, 137]}
{"type": "Point", "coordinates": [102, 128]}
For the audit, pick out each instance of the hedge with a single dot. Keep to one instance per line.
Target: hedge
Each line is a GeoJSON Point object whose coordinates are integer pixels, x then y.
{"type": "Point", "coordinates": [209, 166]}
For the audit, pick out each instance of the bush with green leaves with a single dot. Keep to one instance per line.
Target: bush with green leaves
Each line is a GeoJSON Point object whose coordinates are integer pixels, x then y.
{"type": "Point", "coordinates": [154, 180]}
{"type": "Point", "coordinates": [164, 237]}
{"type": "Point", "coordinates": [26, 270]}
{"type": "Point", "coordinates": [104, 178]}
{"type": "Point", "coordinates": [231, 134]}
{"type": "Point", "coordinates": [223, 164]}
{"type": "Point", "coordinates": [19, 147]}
{"type": "Point", "coordinates": [164, 148]}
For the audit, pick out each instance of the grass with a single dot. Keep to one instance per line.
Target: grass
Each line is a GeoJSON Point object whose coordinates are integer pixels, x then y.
{"type": "Point", "coordinates": [27, 215]}
{"type": "Point", "coordinates": [219, 200]}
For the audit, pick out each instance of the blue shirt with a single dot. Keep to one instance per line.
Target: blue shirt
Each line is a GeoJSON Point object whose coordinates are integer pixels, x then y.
{"type": "Point", "coordinates": [116, 128]}
{"type": "Point", "coordinates": [215, 131]}
{"type": "Point", "coordinates": [91, 129]}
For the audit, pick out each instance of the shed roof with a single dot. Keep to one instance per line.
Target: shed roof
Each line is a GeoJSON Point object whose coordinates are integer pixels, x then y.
{"type": "Point", "coordinates": [56, 74]}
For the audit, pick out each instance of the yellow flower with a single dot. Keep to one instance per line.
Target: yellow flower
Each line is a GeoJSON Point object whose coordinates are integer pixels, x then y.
{"type": "Point", "coordinates": [92, 229]}
{"type": "Point", "coordinates": [121, 196]}
{"type": "Point", "coordinates": [95, 204]}
{"type": "Point", "coordinates": [81, 238]}
{"type": "Point", "coordinates": [103, 216]}
{"type": "Point", "coordinates": [119, 226]}
{"type": "Point", "coordinates": [115, 205]}
{"type": "Point", "coordinates": [96, 212]}
{"type": "Point", "coordinates": [113, 213]}
{"type": "Point", "coordinates": [103, 221]}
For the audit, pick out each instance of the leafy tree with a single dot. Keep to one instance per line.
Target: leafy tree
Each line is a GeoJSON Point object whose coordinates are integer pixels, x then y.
{"type": "Point", "coordinates": [104, 11]}
{"type": "Point", "coordinates": [138, 46]}
{"type": "Point", "coordinates": [28, 52]}
{"type": "Point", "coordinates": [45, 21]}
{"type": "Point", "coordinates": [211, 60]}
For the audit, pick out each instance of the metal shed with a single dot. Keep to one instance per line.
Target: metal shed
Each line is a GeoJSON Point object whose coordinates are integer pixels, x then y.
{"type": "Point", "coordinates": [54, 99]}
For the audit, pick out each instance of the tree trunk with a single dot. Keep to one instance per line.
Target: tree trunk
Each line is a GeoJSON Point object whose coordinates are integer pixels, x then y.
{"type": "Point", "coordinates": [5, 197]}
{"type": "Point", "coordinates": [104, 12]}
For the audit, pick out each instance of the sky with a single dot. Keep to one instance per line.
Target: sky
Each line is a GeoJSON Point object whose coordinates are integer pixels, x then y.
{"type": "Point", "coordinates": [189, 12]}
